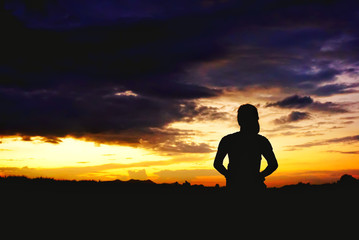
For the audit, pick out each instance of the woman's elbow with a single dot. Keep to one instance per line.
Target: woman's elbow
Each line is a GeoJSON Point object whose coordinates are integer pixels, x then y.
{"type": "Point", "coordinates": [216, 165]}
{"type": "Point", "coordinates": [275, 166]}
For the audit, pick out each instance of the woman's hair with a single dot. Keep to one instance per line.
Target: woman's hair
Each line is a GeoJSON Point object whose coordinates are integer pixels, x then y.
{"type": "Point", "coordinates": [247, 118]}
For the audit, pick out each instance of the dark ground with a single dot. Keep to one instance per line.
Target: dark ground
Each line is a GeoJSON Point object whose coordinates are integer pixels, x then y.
{"type": "Point", "coordinates": [143, 207]}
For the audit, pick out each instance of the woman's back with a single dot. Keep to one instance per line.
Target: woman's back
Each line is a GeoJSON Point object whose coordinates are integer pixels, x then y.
{"type": "Point", "coordinates": [244, 153]}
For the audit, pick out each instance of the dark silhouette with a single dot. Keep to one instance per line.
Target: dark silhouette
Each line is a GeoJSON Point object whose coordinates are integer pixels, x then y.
{"type": "Point", "coordinates": [245, 149]}
{"type": "Point", "coordinates": [20, 185]}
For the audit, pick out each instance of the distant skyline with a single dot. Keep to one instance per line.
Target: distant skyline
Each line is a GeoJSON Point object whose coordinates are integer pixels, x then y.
{"type": "Point", "coordinates": [146, 89]}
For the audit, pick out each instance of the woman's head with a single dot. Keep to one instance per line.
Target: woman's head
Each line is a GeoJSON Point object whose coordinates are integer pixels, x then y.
{"type": "Point", "coordinates": [248, 118]}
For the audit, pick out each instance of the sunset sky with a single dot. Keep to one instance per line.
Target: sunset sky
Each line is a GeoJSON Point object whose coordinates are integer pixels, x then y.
{"type": "Point", "coordinates": [144, 89]}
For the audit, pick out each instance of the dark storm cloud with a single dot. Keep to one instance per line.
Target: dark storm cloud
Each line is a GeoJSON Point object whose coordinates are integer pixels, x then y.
{"type": "Point", "coordinates": [147, 55]}
{"type": "Point", "coordinates": [108, 119]}
{"type": "Point", "coordinates": [294, 116]}
{"type": "Point", "coordinates": [298, 102]}
{"type": "Point", "coordinates": [253, 62]}
{"type": "Point", "coordinates": [294, 101]}
{"type": "Point", "coordinates": [331, 89]}
{"type": "Point", "coordinates": [62, 62]}
{"type": "Point", "coordinates": [291, 47]}
{"type": "Point", "coordinates": [63, 82]}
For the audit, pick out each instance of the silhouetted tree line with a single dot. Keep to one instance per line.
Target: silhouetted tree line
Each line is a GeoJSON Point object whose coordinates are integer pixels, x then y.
{"type": "Point", "coordinates": [21, 184]}
{"type": "Point", "coordinates": [24, 184]}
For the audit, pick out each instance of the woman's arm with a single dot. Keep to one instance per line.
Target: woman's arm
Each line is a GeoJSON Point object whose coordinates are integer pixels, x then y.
{"type": "Point", "coordinates": [218, 161]}
{"type": "Point", "coordinates": [272, 164]}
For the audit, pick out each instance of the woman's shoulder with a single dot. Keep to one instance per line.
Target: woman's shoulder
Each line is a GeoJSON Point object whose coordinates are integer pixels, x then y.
{"type": "Point", "coordinates": [264, 141]}
{"type": "Point", "coordinates": [229, 138]}
{"type": "Point", "coordinates": [262, 137]}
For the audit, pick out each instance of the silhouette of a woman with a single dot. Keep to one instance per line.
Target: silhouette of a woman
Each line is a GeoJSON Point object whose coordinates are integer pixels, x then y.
{"type": "Point", "coordinates": [245, 149]}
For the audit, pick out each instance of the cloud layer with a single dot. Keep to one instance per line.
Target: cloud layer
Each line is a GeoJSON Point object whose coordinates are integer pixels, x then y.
{"type": "Point", "coordinates": [67, 69]}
